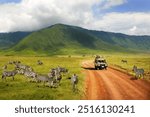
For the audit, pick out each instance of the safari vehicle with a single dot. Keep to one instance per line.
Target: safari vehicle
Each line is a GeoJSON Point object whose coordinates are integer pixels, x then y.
{"type": "Point", "coordinates": [100, 63]}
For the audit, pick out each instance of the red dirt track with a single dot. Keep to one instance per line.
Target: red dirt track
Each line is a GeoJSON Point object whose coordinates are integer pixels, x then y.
{"type": "Point", "coordinates": [111, 84]}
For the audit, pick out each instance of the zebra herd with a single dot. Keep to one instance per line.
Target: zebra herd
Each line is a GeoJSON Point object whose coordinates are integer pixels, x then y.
{"type": "Point", "coordinates": [139, 72]}
{"type": "Point", "coordinates": [52, 78]}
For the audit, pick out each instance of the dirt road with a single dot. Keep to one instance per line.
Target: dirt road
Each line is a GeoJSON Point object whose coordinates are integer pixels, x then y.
{"type": "Point", "coordinates": [111, 84]}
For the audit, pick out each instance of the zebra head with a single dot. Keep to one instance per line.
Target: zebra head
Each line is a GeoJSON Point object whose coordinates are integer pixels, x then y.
{"type": "Point", "coordinates": [134, 68]}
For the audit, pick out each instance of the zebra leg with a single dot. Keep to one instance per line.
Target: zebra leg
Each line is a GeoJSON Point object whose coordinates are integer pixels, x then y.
{"type": "Point", "coordinates": [3, 77]}
{"type": "Point", "coordinates": [73, 87]}
{"type": "Point", "coordinates": [51, 84]}
{"type": "Point", "coordinates": [143, 75]}
{"type": "Point", "coordinates": [12, 77]}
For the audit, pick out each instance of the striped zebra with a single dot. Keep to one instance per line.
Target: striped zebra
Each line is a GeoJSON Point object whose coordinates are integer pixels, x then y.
{"type": "Point", "coordinates": [56, 74]}
{"type": "Point", "coordinates": [30, 74]}
{"type": "Point", "coordinates": [44, 79]}
{"type": "Point", "coordinates": [21, 66]}
{"type": "Point", "coordinates": [74, 81]}
{"type": "Point", "coordinates": [138, 72]}
{"type": "Point", "coordinates": [63, 70]}
{"type": "Point", "coordinates": [9, 74]}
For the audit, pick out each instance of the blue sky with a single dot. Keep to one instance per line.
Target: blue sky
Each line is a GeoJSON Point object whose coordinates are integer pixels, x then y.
{"type": "Point", "coordinates": [9, 1]}
{"type": "Point", "coordinates": [133, 6]}
{"type": "Point", "coordinates": [128, 6]}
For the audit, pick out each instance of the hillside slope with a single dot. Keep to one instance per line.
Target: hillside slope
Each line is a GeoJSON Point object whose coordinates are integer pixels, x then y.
{"type": "Point", "coordinates": [9, 39]}
{"type": "Point", "coordinates": [64, 39]}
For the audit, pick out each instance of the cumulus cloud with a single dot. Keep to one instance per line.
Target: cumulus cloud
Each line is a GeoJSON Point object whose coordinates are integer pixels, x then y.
{"type": "Point", "coordinates": [128, 23]}
{"type": "Point", "coordinates": [29, 15]}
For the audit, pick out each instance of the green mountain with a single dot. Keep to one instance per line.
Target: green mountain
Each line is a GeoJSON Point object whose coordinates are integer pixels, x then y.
{"type": "Point", "coordinates": [64, 39]}
{"type": "Point", "coordinates": [9, 39]}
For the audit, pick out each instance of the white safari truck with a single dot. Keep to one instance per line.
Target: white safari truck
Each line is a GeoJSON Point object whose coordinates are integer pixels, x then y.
{"type": "Point", "coordinates": [100, 63]}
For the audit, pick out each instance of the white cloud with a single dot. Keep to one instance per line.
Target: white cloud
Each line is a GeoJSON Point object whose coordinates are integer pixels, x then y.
{"type": "Point", "coordinates": [111, 3]}
{"type": "Point", "coordinates": [36, 14]}
{"type": "Point", "coordinates": [32, 15]}
{"type": "Point", "coordinates": [133, 29]}
{"type": "Point", "coordinates": [128, 23]}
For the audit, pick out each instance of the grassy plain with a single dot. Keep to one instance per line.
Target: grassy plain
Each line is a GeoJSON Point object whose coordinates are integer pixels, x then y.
{"type": "Point", "coordinates": [22, 89]}
{"type": "Point", "coordinates": [140, 60]}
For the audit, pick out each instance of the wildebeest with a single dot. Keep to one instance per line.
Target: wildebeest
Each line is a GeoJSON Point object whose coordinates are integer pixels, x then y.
{"type": "Point", "coordinates": [124, 61]}
{"type": "Point", "coordinates": [74, 81]}
{"type": "Point", "coordinates": [39, 62]}
{"type": "Point", "coordinates": [9, 74]}
{"type": "Point", "coordinates": [138, 72]}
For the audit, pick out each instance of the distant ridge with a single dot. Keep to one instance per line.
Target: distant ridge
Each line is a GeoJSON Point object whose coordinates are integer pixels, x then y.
{"type": "Point", "coordinates": [9, 39]}
{"type": "Point", "coordinates": [65, 39]}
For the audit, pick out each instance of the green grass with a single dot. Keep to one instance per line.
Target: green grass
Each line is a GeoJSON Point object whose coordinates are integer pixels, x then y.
{"type": "Point", "coordinates": [22, 89]}
{"type": "Point", "coordinates": [140, 60]}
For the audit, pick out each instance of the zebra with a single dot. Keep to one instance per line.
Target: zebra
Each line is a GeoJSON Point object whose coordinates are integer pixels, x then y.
{"type": "Point", "coordinates": [56, 74]}
{"type": "Point", "coordinates": [30, 74]}
{"type": "Point", "coordinates": [9, 74]}
{"type": "Point", "coordinates": [23, 67]}
{"type": "Point", "coordinates": [74, 81]}
{"type": "Point", "coordinates": [21, 71]}
{"type": "Point", "coordinates": [58, 78]}
{"type": "Point", "coordinates": [138, 72]}
{"type": "Point", "coordinates": [63, 70]}
{"type": "Point", "coordinates": [20, 66]}
{"type": "Point", "coordinates": [44, 79]}
{"type": "Point", "coordinates": [39, 62]}
{"type": "Point", "coordinates": [124, 61]}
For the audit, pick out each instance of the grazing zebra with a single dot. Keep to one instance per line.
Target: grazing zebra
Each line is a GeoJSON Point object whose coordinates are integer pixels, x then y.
{"type": "Point", "coordinates": [63, 70]}
{"type": "Point", "coordinates": [39, 62]}
{"type": "Point", "coordinates": [58, 78]}
{"type": "Point", "coordinates": [124, 61]}
{"type": "Point", "coordinates": [44, 79]}
{"type": "Point", "coordinates": [9, 74]}
{"type": "Point", "coordinates": [57, 75]}
{"type": "Point", "coordinates": [20, 66]}
{"type": "Point", "coordinates": [21, 71]}
{"type": "Point", "coordinates": [138, 72]}
{"type": "Point", "coordinates": [74, 81]}
{"type": "Point", "coordinates": [30, 74]}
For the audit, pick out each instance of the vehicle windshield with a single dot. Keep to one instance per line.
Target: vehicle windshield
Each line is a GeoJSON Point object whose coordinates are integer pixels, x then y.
{"type": "Point", "coordinates": [101, 61]}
